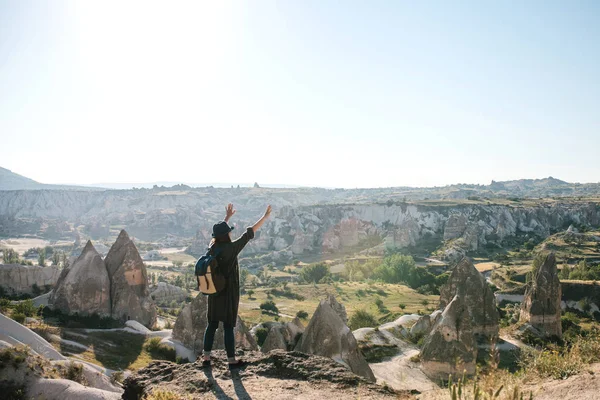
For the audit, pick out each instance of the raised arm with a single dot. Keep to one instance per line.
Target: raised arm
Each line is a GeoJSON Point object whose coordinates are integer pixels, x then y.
{"type": "Point", "coordinates": [229, 211]}
{"type": "Point", "coordinates": [262, 220]}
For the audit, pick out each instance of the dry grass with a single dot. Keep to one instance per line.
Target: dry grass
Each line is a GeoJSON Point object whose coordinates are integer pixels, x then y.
{"type": "Point", "coordinates": [353, 295]}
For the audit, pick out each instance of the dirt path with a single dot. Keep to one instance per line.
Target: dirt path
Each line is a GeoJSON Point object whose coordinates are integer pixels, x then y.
{"type": "Point", "coordinates": [402, 374]}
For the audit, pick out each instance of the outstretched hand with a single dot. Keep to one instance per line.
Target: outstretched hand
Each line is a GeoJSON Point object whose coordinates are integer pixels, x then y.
{"type": "Point", "coordinates": [229, 211]}
{"type": "Point", "coordinates": [268, 211]}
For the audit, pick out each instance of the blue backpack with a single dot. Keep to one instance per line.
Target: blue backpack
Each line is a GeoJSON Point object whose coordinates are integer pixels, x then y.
{"type": "Point", "coordinates": [210, 280]}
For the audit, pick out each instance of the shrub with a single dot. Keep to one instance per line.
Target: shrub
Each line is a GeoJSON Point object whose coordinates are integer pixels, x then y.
{"type": "Point", "coordinates": [402, 306]}
{"type": "Point", "coordinates": [261, 335]}
{"type": "Point", "coordinates": [314, 273]}
{"type": "Point", "coordinates": [74, 372]}
{"type": "Point", "coordinates": [4, 305]}
{"type": "Point", "coordinates": [26, 308]}
{"type": "Point", "coordinates": [362, 319]}
{"type": "Point", "coordinates": [19, 317]}
{"type": "Point", "coordinates": [12, 390]}
{"type": "Point", "coordinates": [161, 351]}
{"type": "Point", "coordinates": [302, 314]}
{"type": "Point", "coordinates": [560, 364]}
{"type": "Point", "coordinates": [269, 306]}
{"type": "Point", "coordinates": [117, 377]}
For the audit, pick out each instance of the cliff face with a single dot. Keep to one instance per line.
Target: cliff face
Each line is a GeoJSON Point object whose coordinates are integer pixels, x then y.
{"type": "Point", "coordinates": [332, 228]}
{"type": "Point", "coordinates": [19, 279]}
{"type": "Point", "coordinates": [297, 226]}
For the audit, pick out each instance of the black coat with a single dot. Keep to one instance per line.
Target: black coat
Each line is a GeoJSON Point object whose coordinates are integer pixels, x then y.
{"type": "Point", "coordinates": [224, 305]}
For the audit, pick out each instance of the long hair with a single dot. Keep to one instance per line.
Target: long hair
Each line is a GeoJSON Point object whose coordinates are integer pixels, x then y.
{"type": "Point", "coordinates": [220, 239]}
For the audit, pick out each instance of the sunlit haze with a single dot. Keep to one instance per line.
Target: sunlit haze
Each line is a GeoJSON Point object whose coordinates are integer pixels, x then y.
{"type": "Point", "coordinates": [312, 93]}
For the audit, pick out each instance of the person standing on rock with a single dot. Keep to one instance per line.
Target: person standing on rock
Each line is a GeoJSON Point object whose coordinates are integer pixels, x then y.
{"type": "Point", "coordinates": [223, 307]}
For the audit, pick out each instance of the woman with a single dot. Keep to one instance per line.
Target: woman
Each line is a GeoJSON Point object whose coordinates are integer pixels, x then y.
{"type": "Point", "coordinates": [223, 307]}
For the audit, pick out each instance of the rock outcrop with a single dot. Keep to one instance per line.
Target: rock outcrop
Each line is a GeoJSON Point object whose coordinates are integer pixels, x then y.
{"type": "Point", "coordinates": [129, 283]}
{"type": "Point", "coordinates": [36, 377]}
{"type": "Point", "coordinates": [328, 335]}
{"type": "Point", "coordinates": [424, 324]}
{"type": "Point", "coordinates": [191, 323]}
{"type": "Point", "coordinates": [84, 287]}
{"type": "Point", "coordinates": [18, 279]}
{"type": "Point", "coordinates": [541, 305]}
{"type": "Point", "coordinates": [278, 374]}
{"type": "Point", "coordinates": [116, 287]}
{"type": "Point", "coordinates": [467, 282]}
{"type": "Point", "coordinates": [164, 293]}
{"type": "Point", "coordinates": [451, 347]}
{"type": "Point", "coordinates": [282, 336]}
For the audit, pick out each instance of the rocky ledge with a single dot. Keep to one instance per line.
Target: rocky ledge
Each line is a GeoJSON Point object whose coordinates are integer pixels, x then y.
{"type": "Point", "coordinates": [287, 374]}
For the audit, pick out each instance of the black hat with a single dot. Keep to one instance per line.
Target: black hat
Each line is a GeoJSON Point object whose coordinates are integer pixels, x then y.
{"type": "Point", "coordinates": [221, 228]}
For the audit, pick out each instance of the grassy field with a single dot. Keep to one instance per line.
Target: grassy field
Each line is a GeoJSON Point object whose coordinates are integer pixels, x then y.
{"type": "Point", "coordinates": [353, 295]}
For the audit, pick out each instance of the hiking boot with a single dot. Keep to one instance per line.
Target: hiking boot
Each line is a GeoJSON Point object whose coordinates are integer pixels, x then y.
{"type": "Point", "coordinates": [237, 365]}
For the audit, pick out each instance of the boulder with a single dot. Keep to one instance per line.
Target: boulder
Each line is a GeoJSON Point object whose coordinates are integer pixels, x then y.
{"type": "Point", "coordinates": [275, 340]}
{"type": "Point", "coordinates": [541, 304]}
{"type": "Point", "coordinates": [18, 279]}
{"type": "Point", "coordinates": [328, 335]}
{"type": "Point", "coordinates": [84, 287]}
{"type": "Point", "coordinates": [467, 282]}
{"type": "Point", "coordinates": [451, 347]}
{"type": "Point", "coordinates": [165, 293]}
{"type": "Point", "coordinates": [191, 323]}
{"type": "Point", "coordinates": [422, 327]}
{"type": "Point", "coordinates": [129, 283]}
{"type": "Point", "coordinates": [282, 336]}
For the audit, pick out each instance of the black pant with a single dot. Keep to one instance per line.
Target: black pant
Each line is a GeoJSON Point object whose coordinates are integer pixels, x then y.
{"type": "Point", "coordinates": [209, 337]}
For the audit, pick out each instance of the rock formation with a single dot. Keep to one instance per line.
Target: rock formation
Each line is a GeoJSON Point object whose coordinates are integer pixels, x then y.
{"type": "Point", "coordinates": [84, 287]}
{"type": "Point", "coordinates": [191, 323]}
{"type": "Point", "coordinates": [467, 282]}
{"type": "Point", "coordinates": [116, 287]}
{"type": "Point", "coordinates": [451, 347]}
{"type": "Point", "coordinates": [541, 305]}
{"type": "Point", "coordinates": [18, 279]}
{"type": "Point", "coordinates": [129, 283]}
{"type": "Point", "coordinates": [165, 293]}
{"type": "Point", "coordinates": [328, 335]}
{"type": "Point", "coordinates": [424, 324]}
{"type": "Point", "coordinates": [281, 336]}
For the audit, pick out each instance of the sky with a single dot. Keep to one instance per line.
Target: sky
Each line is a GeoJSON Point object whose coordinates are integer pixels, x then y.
{"type": "Point", "coordinates": [314, 93]}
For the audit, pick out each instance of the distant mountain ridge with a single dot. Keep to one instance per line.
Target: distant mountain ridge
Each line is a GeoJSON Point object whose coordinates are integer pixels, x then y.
{"type": "Point", "coordinates": [12, 181]}
{"type": "Point", "coordinates": [545, 187]}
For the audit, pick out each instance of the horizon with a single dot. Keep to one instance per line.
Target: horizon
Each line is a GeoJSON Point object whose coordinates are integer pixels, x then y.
{"type": "Point", "coordinates": [227, 185]}
{"type": "Point", "coordinates": [321, 94]}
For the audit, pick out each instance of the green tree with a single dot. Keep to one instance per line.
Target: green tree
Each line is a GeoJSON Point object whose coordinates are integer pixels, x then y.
{"type": "Point", "coordinates": [55, 258]}
{"type": "Point", "coordinates": [10, 256]}
{"type": "Point", "coordinates": [243, 277]}
{"type": "Point", "coordinates": [395, 268]}
{"type": "Point", "coordinates": [269, 306]}
{"type": "Point", "coordinates": [42, 258]}
{"type": "Point", "coordinates": [314, 273]}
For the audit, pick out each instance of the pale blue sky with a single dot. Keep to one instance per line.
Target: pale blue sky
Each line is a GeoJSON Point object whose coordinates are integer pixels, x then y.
{"type": "Point", "coordinates": [323, 93]}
